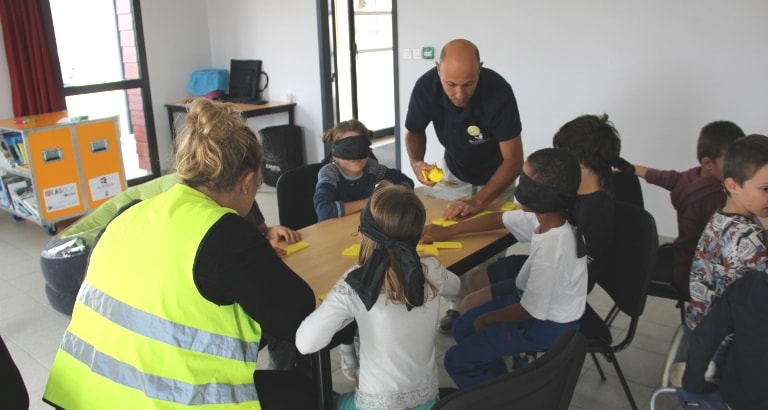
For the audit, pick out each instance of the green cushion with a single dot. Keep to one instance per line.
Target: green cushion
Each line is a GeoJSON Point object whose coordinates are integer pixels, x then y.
{"type": "Point", "coordinates": [89, 226]}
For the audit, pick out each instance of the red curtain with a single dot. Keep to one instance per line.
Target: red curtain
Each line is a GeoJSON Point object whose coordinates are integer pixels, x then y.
{"type": "Point", "coordinates": [34, 85]}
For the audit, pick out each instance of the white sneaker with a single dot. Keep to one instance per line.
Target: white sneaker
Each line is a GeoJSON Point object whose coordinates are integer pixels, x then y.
{"type": "Point", "coordinates": [349, 364]}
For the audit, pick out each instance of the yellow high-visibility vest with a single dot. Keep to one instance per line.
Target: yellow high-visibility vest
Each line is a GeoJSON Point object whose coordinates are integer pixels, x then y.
{"type": "Point", "coordinates": [141, 335]}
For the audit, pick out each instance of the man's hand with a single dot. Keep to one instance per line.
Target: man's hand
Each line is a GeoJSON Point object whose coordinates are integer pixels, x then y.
{"type": "Point", "coordinates": [281, 233]}
{"type": "Point", "coordinates": [419, 166]}
{"type": "Point", "coordinates": [461, 208]}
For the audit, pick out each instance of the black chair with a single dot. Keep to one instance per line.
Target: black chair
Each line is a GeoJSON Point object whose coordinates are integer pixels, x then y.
{"type": "Point", "coordinates": [14, 391]}
{"type": "Point", "coordinates": [547, 383]}
{"type": "Point", "coordinates": [625, 185]}
{"type": "Point", "coordinates": [662, 284]}
{"type": "Point", "coordinates": [626, 281]}
{"type": "Point", "coordinates": [295, 190]}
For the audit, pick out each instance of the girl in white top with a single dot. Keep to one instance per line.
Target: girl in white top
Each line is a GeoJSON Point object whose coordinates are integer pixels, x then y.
{"type": "Point", "coordinates": [393, 296]}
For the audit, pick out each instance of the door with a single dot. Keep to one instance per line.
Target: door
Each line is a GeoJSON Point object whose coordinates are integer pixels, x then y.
{"type": "Point", "coordinates": [359, 68]}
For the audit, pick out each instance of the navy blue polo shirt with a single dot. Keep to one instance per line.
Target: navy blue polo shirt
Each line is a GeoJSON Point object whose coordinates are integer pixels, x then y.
{"type": "Point", "coordinates": [471, 134]}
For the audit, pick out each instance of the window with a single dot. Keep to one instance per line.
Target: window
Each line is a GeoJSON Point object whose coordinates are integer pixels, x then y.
{"type": "Point", "coordinates": [103, 70]}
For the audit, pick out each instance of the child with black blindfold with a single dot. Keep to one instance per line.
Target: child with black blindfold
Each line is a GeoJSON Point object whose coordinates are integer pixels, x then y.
{"type": "Point", "coordinates": [393, 295]}
{"type": "Point", "coordinates": [345, 184]}
{"type": "Point", "coordinates": [343, 187]}
{"type": "Point", "coordinates": [549, 293]}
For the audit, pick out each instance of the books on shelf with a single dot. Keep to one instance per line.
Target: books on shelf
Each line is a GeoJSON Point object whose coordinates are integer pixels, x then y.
{"type": "Point", "coordinates": [17, 193]}
{"type": "Point", "coordinates": [13, 150]}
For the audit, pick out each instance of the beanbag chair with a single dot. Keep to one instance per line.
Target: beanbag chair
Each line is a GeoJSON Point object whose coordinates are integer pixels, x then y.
{"type": "Point", "coordinates": [64, 258]}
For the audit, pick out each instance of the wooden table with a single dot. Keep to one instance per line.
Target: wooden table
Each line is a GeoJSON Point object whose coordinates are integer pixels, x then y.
{"type": "Point", "coordinates": [322, 264]}
{"type": "Point", "coordinates": [248, 111]}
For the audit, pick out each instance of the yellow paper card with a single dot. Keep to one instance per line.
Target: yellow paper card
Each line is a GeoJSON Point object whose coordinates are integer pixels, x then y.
{"type": "Point", "coordinates": [322, 297]}
{"type": "Point", "coordinates": [295, 247]}
{"type": "Point", "coordinates": [443, 222]}
{"type": "Point", "coordinates": [428, 249]}
{"type": "Point", "coordinates": [509, 206]}
{"type": "Point", "coordinates": [447, 245]}
{"type": "Point", "coordinates": [352, 250]}
{"type": "Point", "coordinates": [435, 174]}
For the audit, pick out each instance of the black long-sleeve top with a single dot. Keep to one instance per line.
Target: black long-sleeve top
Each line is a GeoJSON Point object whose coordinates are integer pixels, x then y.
{"type": "Point", "coordinates": [743, 311]}
{"type": "Point", "coordinates": [237, 264]}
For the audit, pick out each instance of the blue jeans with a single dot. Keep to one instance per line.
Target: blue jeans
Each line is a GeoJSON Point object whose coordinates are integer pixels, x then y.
{"type": "Point", "coordinates": [478, 356]}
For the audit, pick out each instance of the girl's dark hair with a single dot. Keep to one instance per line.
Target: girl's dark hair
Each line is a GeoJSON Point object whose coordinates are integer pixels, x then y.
{"type": "Point", "coordinates": [593, 140]}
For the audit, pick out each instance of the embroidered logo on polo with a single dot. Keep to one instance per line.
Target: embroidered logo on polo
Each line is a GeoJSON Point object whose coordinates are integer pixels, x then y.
{"type": "Point", "coordinates": [476, 137]}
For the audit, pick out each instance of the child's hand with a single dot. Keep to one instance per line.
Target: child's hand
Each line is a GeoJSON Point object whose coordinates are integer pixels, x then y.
{"type": "Point", "coordinates": [432, 233]}
{"type": "Point", "coordinates": [482, 321]}
{"type": "Point", "coordinates": [280, 233]}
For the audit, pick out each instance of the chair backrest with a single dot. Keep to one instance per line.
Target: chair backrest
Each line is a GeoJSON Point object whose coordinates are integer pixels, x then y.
{"type": "Point", "coordinates": [632, 260]}
{"type": "Point", "coordinates": [295, 190]}
{"type": "Point", "coordinates": [547, 383]}
{"type": "Point", "coordinates": [625, 186]}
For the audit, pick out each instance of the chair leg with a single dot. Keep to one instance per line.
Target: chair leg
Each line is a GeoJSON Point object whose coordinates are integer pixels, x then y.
{"type": "Point", "coordinates": [659, 392]}
{"type": "Point", "coordinates": [681, 306]}
{"type": "Point", "coordinates": [597, 365]}
{"type": "Point", "coordinates": [611, 315]}
{"type": "Point", "coordinates": [623, 381]}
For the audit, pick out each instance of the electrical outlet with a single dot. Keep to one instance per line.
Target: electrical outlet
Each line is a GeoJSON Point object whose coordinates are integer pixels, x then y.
{"type": "Point", "coordinates": [428, 53]}
{"type": "Point", "coordinates": [407, 54]}
{"type": "Point", "coordinates": [417, 54]}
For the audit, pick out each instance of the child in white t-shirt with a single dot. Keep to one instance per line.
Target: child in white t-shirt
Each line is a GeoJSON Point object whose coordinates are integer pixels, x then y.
{"type": "Point", "coordinates": [549, 293]}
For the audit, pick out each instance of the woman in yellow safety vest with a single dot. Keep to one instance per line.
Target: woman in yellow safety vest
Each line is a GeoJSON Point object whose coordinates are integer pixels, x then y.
{"type": "Point", "coordinates": [180, 288]}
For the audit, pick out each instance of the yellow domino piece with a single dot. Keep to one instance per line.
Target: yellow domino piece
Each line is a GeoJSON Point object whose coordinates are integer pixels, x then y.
{"type": "Point", "coordinates": [447, 245]}
{"type": "Point", "coordinates": [352, 250]}
{"type": "Point", "coordinates": [295, 247]}
{"type": "Point", "coordinates": [509, 206]}
{"type": "Point", "coordinates": [428, 249]}
{"type": "Point", "coordinates": [443, 222]}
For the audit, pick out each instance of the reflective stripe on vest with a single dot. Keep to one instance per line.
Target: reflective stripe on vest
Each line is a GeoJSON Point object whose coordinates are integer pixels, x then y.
{"type": "Point", "coordinates": [165, 331]}
{"type": "Point", "coordinates": [141, 334]}
{"type": "Point", "coordinates": [161, 388]}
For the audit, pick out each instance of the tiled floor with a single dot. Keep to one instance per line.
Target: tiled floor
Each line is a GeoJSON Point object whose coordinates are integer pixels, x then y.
{"type": "Point", "coordinates": [32, 329]}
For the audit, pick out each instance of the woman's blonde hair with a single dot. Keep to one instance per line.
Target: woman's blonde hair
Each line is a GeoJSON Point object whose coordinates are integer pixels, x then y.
{"type": "Point", "coordinates": [401, 215]}
{"type": "Point", "coordinates": [343, 128]}
{"type": "Point", "coordinates": [216, 147]}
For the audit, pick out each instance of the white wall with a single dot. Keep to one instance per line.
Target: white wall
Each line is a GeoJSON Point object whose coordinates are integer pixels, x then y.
{"type": "Point", "coordinates": [283, 34]}
{"type": "Point", "coordinates": [177, 40]}
{"type": "Point", "coordinates": [661, 69]}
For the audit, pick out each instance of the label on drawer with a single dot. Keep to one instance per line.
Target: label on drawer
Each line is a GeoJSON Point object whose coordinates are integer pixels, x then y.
{"type": "Point", "coordinates": [104, 186]}
{"type": "Point", "coordinates": [61, 197]}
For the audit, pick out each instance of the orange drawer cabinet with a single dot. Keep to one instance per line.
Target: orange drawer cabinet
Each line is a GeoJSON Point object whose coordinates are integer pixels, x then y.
{"type": "Point", "coordinates": [53, 167]}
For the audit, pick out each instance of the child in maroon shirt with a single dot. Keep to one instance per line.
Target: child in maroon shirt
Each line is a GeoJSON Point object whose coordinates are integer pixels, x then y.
{"type": "Point", "coordinates": [696, 194]}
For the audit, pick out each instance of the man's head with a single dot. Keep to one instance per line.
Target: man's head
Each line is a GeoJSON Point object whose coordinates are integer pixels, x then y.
{"type": "Point", "coordinates": [714, 140]}
{"type": "Point", "coordinates": [549, 181]}
{"type": "Point", "coordinates": [745, 172]}
{"type": "Point", "coordinates": [459, 70]}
